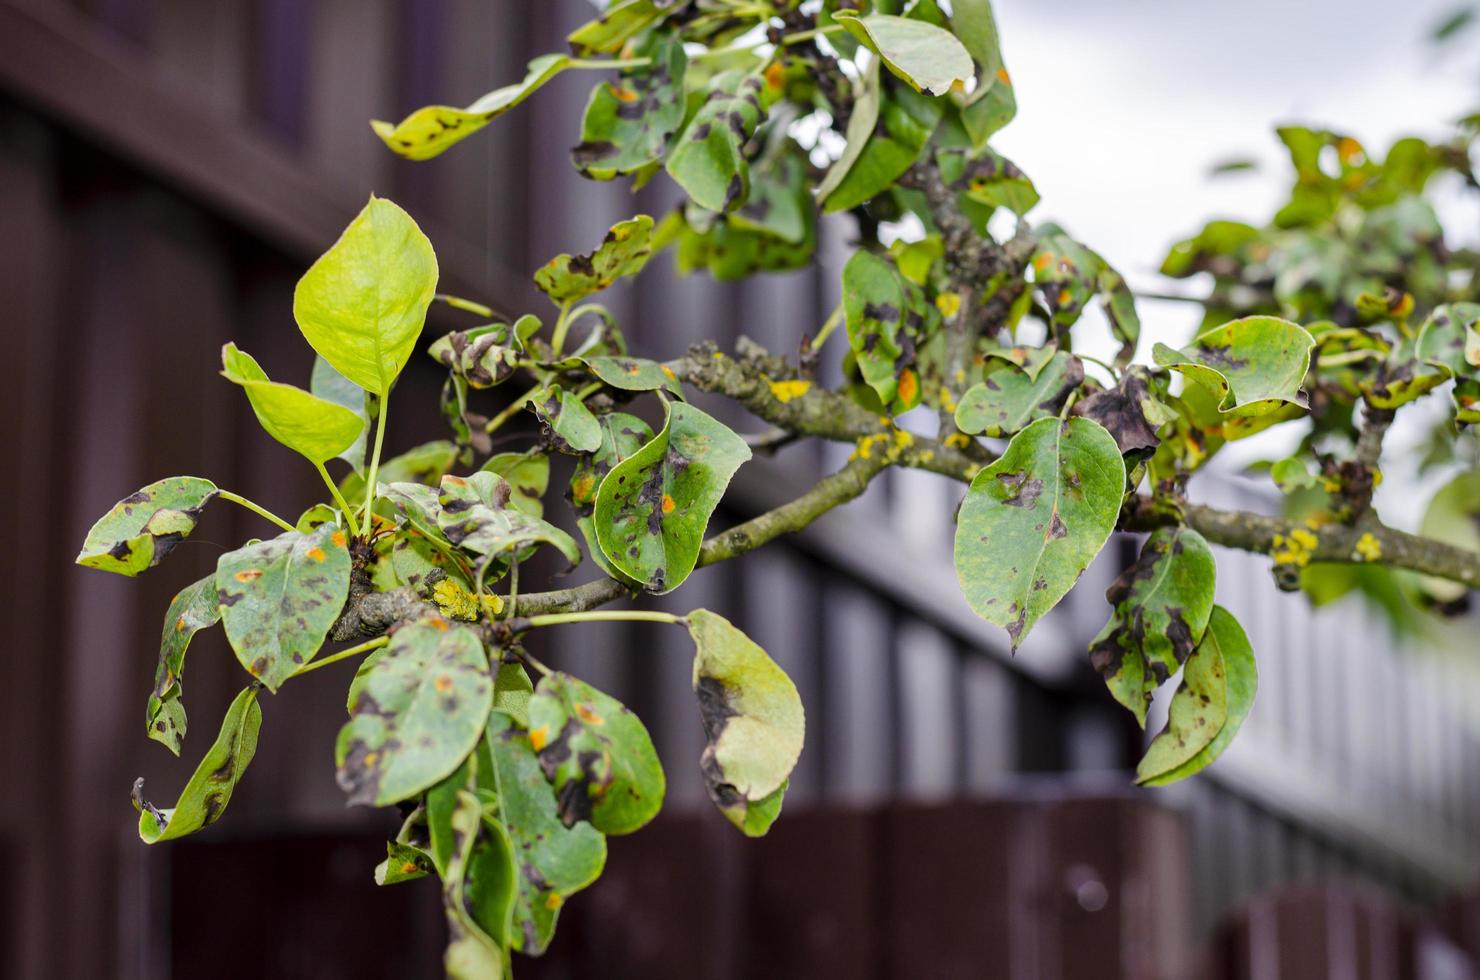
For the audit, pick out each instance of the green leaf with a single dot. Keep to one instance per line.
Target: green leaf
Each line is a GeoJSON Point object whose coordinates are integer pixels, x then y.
{"type": "Point", "coordinates": [471, 953]}
{"type": "Point", "coordinates": [1035, 519]}
{"type": "Point", "coordinates": [1242, 681]}
{"type": "Point", "coordinates": [555, 861]}
{"type": "Point", "coordinates": [363, 303]}
{"type": "Point", "coordinates": [1008, 399]}
{"type": "Point", "coordinates": [512, 693]}
{"type": "Point", "coordinates": [431, 129]}
{"type": "Point", "coordinates": [402, 863]}
{"type": "Point", "coordinates": [492, 883]}
{"type": "Point", "coordinates": [280, 597]}
{"type": "Point", "coordinates": [988, 178]}
{"type": "Point", "coordinates": [568, 426]}
{"type": "Point", "coordinates": [622, 435]}
{"type": "Point", "coordinates": [754, 723]}
{"type": "Point", "coordinates": [425, 464]}
{"type": "Point", "coordinates": [628, 122]}
{"type": "Point", "coordinates": [528, 476]}
{"type": "Point", "coordinates": [635, 374]}
{"type": "Point", "coordinates": [1402, 377]}
{"type": "Point", "coordinates": [904, 121]}
{"type": "Point", "coordinates": [708, 161]}
{"type": "Point", "coordinates": [620, 21]}
{"type": "Point", "coordinates": [992, 104]}
{"type": "Point", "coordinates": [331, 386]}
{"type": "Point", "coordinates": [209, 790]}
{"type": "Point", "coordinates": [1254, 366]}
{"type": "Point", "coordinates": [862, 119]}
{"type": "Point", "coordinates": [1453, 516]}
{"type": "Point", "coordinates": [929, 58]}
{"type": "Point", "coordinates": [652, 508]}
{"type": "Point", "coordinates": [1130, 413]}
{"type": "Point", "coordinates": [888, 319]}
{"type": "Point", "coordinates": [775, 230]}
{"type": "Point", "coordinates": [418, 714]}
{"type": "Point", "coordinates": [193, 609]}
{"type": "Point", "coordinates": [477, 514]}
{"type": "Point", "coordinates": [319, 429]}
{"type": "Point", "coordinates": [1160, 606]}
{"type": "Point", "coordinates": [623, 252]}
{"type": "Point", "coordinates": [142, 528]}
{"type": "Point", "coordinates": [597, 755]}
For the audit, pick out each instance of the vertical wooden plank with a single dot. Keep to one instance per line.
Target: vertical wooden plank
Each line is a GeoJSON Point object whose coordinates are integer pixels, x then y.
{"type": "Point", "coordinates": [928, 746]}
{"type": "Point", "coordinates": [351, 81]}
{"type": "Point", "coordinates": [858, 732]}
{"type": "Point", "coordinates": [200, 45]}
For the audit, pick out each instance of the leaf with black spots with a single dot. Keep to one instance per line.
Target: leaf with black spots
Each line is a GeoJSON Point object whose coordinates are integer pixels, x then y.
{"type": "Point", "coordinates": [485, 356]}
{"type": "Point", "coordinates": [775, 230]}
{"type": "Point", "coordinates": [988, 178]}
{"type": "Point", "coordinates": [888, 319]}
{"type": "Point", "coordinates": [928, 57]}
{"type": "Point", "coordinates": [992, 104]}
{"type": "Point", "coordinates": [708, 161]}
{"type": "Point", "coordinates": [1130, 413]}
{"type": "Point", "coordinates": [652, 508]}
{"type": "Point", "coordinates": [142, 528]}
{"type": "Point", "coordinates": [209, 790]}
{"type": "Point", "coordinates": [1241, 680]}
{"type": "Point", "coordinates": [1160, 609]}
{"type": "Point", "coordinates": [618, 23]}
{"type": "Point", "coordinates": [634, 374]}
{"type": "Point", "coordinates": [280, 597]}
{"type": "Point", "coordinates": [477, 514]}
{"type": "Point", "coordinates": [1253, 366]}
{"type": "Point", "coordinates": [472, 954]}
{"type": "Point", "coordinates": [555, 861]}
{"type": "Point", "coordinates": [402, 863]}
{"type": "Point", "coordinates": [622, 435]}
{"type": "Point", "coordinates": [1008, 399]}
{"type": "Point", "coordinates": [623, 252]}
{"type": "Point", "coordinates": [528, 476]}
{"type": "Point", "coordinates": [567, 424]}
{"type": "Point", "coordinates": [1031, 359]}
{"type": "Point", "coordinates": [754, 723]}
{"type": "Point", "coordinates": [878, 151]}
{"type": "Point", "coordinates": [1033, 521]}
{"type": "Point", "coordinates": [597, 754]}
{"type": "Point", "coordinates": [417, 714]}
{"type": "Point", "coordinates": [193, 609]}
{"type": "Point", "coordinates": [425, 464]}
{"type": "Point", "coordinates": [1066, 275]}
{"type": "Point", "coordinates": [431, 129]}
{"type": "Point", "coordinates": [629, 121]}
{"type": "Point", "coordinates": [1450, 341]}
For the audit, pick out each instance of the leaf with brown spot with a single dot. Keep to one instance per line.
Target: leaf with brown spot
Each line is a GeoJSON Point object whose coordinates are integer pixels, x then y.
{"type": "Point", "coordinates": [1009, 399]}
{"type": "Point", "coordinates": [1253, 366]}
{"type": "Point", "coordinates": [630, 120]}
{"type": "Point", "coordinates": [888, 320]}
{"type": "Point", "coordinates": [193, 609]}
{"type": "Point", "coordinates": [623, 252]}
{"type": "Point", "coordinates": [1160, 610]}
{"type": "Point", "coordinates": [209, 790]}
{"type": "Point", "coordinates": [477, 514]}
{"type": "Point", "coordinates": [567, 424]}
{"type": "Point", "coordinates": [1122, 410]}
{"type": "Point", "coordinates": [708, 160]}
{"type": "Point", "coordinates": [144, 527]}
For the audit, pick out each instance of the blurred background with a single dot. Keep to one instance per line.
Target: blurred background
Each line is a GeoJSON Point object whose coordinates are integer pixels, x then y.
{"type": "Point", "coordinates": [167, 170]}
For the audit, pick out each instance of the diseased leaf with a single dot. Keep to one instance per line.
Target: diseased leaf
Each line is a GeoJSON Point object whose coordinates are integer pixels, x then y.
{"type": "Point", "coordinates": [193, 609]}
{"type": "Point", "coordinates": [1242, 680]}
{"type": "Point", "coordinates": [567, 424]}
{"type": "Point", "coordinates": [471, 953]}
{"type": "Point", "coordinates": [1254, 366]}
{"type": "Point", "coordinates": [597, 754]}
{"type": "Point", "coordinates": [477, 514]}
{"type": "Point", "coordinates": [992, 104]}
{"type": "Point", "coordinates": [425, 464]}
{"type": "Point", "coordinates": [555, 861]}
{"type": "Point", "coordinates": [1126, 411]}
{"type": "Point", "coordinates": [629, 122]}
{"type": "Point", "coordinates": [623, 252]}
{"type": "Point", "coordinates": [652, 508]}
{"type": "Point", "coordinates": [754, 722]}
{"type": "Point", "coordinates": [988, 178]}
{"type": "Point", "coordinates": [512, 692]}
{"type": "Point", "coordinates": [1008, 399]}
{"type": "Point", "coordinates": [492, 883]}
{"type": "Point", "coordinates": [331, 386]}
{"type": "Point", "coordinates": [280, 597]}
{"type": "Point", "coordinates": [402, 863]}
{"type": "Point", "coordinates": [1160, 606]}
{"type": "Point", "coordinates": [905, 119]}
{"type": "Point", "coordinates": [1030, 359]}
{"type": "Point", "coordinates": [888, 318]}
{"type": "Point", "coordinates": [708, 161]}
{"type": "Point", "coordinates": [209, 790]}
{"type": "Point", "coordinates": [775, 230]}
{"type": "Point", "coordinates": [441, 802]}
{"type": "Point", "coordinates": [528, 476]}
{"type": "Point", "coordinates": [363, 303]}
{"type": "Point", "coordinates": [635, 374]}
{"type": "Point", "coordinates": [622, 435]}
{"type": "Point", "coordinates": [488, 355]}
{"type": "Point", "coordinates": [1034, 520]}
{"type": "Point", "coordinates": [320, 430]}
{"type": "Point", "coordinates": [142, 528]}
{"type": "Point", "coordinates": [929, 58]}
{"type": "Point", "coordinates": [431, 129]}
{"type": "Point", "coordinates": [417, 715]}
{"type": "Point", "coordinates": [620, 21]}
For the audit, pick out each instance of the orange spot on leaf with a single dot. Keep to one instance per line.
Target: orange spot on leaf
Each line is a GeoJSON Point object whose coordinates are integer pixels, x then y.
{"type": "Point", "coordinates": [248, 575]}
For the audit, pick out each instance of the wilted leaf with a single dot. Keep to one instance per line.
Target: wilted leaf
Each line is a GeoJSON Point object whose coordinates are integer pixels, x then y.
{"type": "Point", "coordinates": [708, 161]}
{"type": "Point", "coordinates": [477, 514]}
{"type": "Point", "coordinates": [1161, 608]}
{"type": "Point", "coordinates": [144, 527]}
{"type": "Point", "coordinates": [623, 252]}
{"type": "Point", "coordinates": [652, 508]}
{"type": "Point", "coordinates": [320, 430]}
{"type": "Point", "coordinates": [629, 121]}
{"type": "Point", "coordinates": [555, 861]}
{"type": "Point", "coordinates": [568, 425]}
{"type": "Point", "coordinates": [1242, 681]}
{"type": "Point", "coordinates": [928, 57]}
{"type": "Point", "coordinates": [1008, 399]}
{"type": "Point", "coordinates": [431, 129]}
{"type": "Point", "coordinates": [280, 597]}
{"type": "Point", "coordinates": [418, 713]}
{"type": "Point", "coordinates": [527, 475]}
{"type": "Point", "coordinates": [1124, 410]}
{"type": "Point", "coordinates": [488, 355]}
{"type": "Point", "coordinates": [1254, 366]}
{"type": "Point", "coordinates": [205, 796]}
{"type": "Point", "coordinates": [363, 303]}
{"type": "Point", "coordinates": [888, 318]}
{"type": "Point", "coordinates": [193, 609]}
{"type": "Point", "coordinates": [1035, 519]}
{"type": "Point", "coordinates": [597, 755]}
{"type": "Point", "coordinates": [471, 953]}
{"type": "Point", "coordinates": [754, 723]}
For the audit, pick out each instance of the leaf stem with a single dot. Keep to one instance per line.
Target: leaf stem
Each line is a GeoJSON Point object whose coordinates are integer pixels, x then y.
{"type": "Point", "coordinates": [497, 422]}
{"type": "Point", "coordinates": [562, 325]}
{"type": "Point", "coordinates": [255, 508]}
{"type": "Point", "coordinates": [349, 513]}
{"type": "Point", "coordinates": [360, 648]}
{"type": "Point", "coordinates": [385, 401]}
{"type": "Point", "coordinates": [601, 64]}
{"type": "Point", "coordinates": [1095, 360]}
{"type": "Point", "coordinates": [833, 319]}
{"type": "Point", "coordinates": [619, 615]}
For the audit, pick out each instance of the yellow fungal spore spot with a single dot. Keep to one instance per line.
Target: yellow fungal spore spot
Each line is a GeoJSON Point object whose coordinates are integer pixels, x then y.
{"type": "Point", "coordinates": [554, 901]}
{"type": "Point", "coordinates": [371, 758]}
{"type": "Point", "coordinates": [668, 504]}
{"type": "Point", "coordinates": [339, 539]}
{"type": "Point", "coordinates": [248, 575]}
{"type": "Point", "coordinates": [443, 683]}
{"type": "Point", "coordinates": [667, 371]}
{"type": "Point", "coordinates": [588, 715]}
{"type": "Point", "coordinates": [909, 386]}
{"type": "Point", "coordinates": [1368, 547]}
{"type": "Point", "coordinates": [538, 737]}
{"type": "Point", "coordinates": [775, 75]}
{"type": "Point", "coordinates": [785, 391]}
{"type": "Point", "coordinates": [1003, 77]}
{"type": "Point", "coordinates": [948, 304]}
{"type": "Point", "coordinates": [317, 554]}
{"type": "Point", "coordinates": [408, 868]}
{"type": "Point", "coordinates": [622, 93]}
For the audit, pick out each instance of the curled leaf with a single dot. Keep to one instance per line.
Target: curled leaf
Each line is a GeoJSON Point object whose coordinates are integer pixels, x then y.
{"type": "Point", "coordinates": [1008, 399]}
{"type": "Point", "coordinates": [708, 161]}
{"type": "Point", "coordinates": [629, 121]}
{"type": "Point", "coordinates": [1253, 366]}
{"type": "Point", "coordinates": [142, 528]}
{"type": "Point", "coordinates": [209, 790]}
{"type": "Point", "coordinates": [623, 252]}
{"type": "Point", "coordinates": [929, 58]}
{"type": "Point", "coordinates": [193, 609]}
